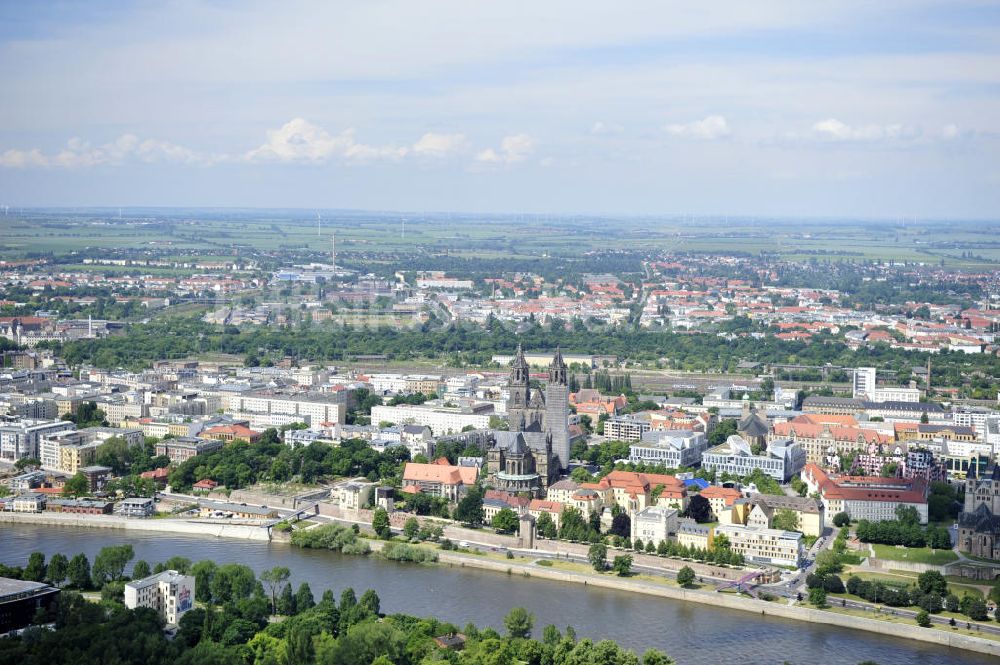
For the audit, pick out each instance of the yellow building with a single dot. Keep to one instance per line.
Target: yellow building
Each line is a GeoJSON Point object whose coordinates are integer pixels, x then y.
{"type": "Point", "coordinates": [72, 458]}
{"type": "Point", "coordinates": [692, 534]}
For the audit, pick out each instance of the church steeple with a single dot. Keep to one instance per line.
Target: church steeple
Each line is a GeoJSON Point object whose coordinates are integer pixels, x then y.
{"type": "Point", "coordinates": [557, 369]}
{"type": "Point", "coordinates": [519, 369]}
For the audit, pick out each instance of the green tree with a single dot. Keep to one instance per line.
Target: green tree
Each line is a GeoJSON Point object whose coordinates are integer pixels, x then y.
{"type": "Point", "coordinates": [77, 485]}
{"type": "Point", "coordinates": [58, 569]}
{"type": "Point", "coordinates": [505, 521]}
{"type": "Point", "coordinates": [923, 619]}
{"type": "Point", "coordinates": [35, 570]}
{"type": "Point", "coordinates": [931, 581]}
{"type": "Point", "coordinates": [598, 556]}
{"type": "Point", "coordinates": [685, 576]}
{"type": "Point", "coordinates": [469, 510]}
{"type": "Point", "coordinates": [274, 578]}
{"type": "Point", "coordinates": [370, 601]}
{"type": "Point", "coordinates": [546, 526]}
{"type": "Point", "coordinates": [654, 657]}
{"type": "Point", "coordinates": [699, 509]}
{"type": "Point", "coordinates": [622, 565]}
{"type": "Point", "coordinates": [380, 523]}
{"type": "Point", "coordinates": [841, 519]}
{"type": "Point", "coordinates": [519, 622]}
{"type": "Point", "coordinates": [286, 601]}
{"type": "Point", "coordinates": [817, 597]}
{"type": "Point", "coordinates": [110, 562]}
{"type": "Point", "coordinates": [411, 528]}
{"type": "Point", "coordinates": [786, 520]}
{"type": "Point", "coordinates": [304, 598]}
{"type": "Point", "coordinates": [78, 572]}
{"type": "Point", "coordinates": [140, 570]}
{"type": "Point", "coordinates": [907, 514]}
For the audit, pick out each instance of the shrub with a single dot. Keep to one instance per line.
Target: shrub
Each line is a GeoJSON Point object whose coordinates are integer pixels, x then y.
{"type": "Point", "coordinates": [409, 553]}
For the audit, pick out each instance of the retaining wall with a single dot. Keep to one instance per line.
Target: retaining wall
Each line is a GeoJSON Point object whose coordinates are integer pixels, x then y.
{"type": "Point", "coordinates": [240, 531]}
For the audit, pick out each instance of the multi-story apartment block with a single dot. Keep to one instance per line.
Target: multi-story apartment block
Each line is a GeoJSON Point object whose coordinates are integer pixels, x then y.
{"type": "Point", "coordinates": [311, 408]}
{"type": "Point", "coordinates": [864, 383]}
{"type": "Point", "coordinates": [20, 439]}
{"type": "Point", "coordinates": [626, 428]}
{"type": "Point", "coordinates": [170, 593]}
{"type": "Point", "coordinates": [442, 419]}
{"type": "Point", "coordinates": [781, 460]}
{"type": "Point", "coordinates": [823, 442]}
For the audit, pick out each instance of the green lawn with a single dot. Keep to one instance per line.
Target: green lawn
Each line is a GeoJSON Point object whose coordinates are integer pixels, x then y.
{"type": "Point", "coordinates": [917, 554]}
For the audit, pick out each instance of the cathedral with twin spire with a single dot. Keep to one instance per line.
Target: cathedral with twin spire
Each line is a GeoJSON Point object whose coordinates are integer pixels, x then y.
{"type": "Point", "coordinates": [534, 450]}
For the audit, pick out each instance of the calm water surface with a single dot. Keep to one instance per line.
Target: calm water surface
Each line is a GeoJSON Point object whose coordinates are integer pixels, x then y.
{"type": "Point", "coordinates": [693, 634]}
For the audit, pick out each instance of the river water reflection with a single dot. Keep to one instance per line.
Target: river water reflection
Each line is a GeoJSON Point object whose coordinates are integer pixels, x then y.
{"type": "Point", "coordinates": [691, 633]}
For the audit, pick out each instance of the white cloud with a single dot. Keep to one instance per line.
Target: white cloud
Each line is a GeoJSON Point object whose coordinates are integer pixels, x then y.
{"type": "Point", "coordinates": [601, 127]}
{"type": "Point", "coordinates": [832, 129]}
{"type": "Point", "coordinates": [79, 153]}
{"type": "Point", "coordinates": [709, 128]}
{"type": "Point", "coordinates": [949, 131]}
{"type": "Point", "coordinates": [513, 149]}
{"type": "Point", "coordinates": [299, 140]}
{"type": "Point", "coordinates": [440, 145]}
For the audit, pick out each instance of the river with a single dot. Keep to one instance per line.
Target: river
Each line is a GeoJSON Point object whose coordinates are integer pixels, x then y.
{"type": "Point", "coordinates": [693, 634]}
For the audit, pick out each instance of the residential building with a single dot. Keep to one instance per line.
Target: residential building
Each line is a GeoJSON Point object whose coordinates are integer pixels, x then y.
{"type": "Point", "coordinates": [312, 408]}
{"type": "Point", "coordinates": [866, 497]}
{"type": "Point", "coordinates": [439, 478]}
{"type": "Point", "coordinates": [762, 545]}
{"type": "Point", "coordinates": [809, 512]}
{"type": "Point", "coordinates": [170, 593]}
{"type": "Point", "coordinates": [781, 460]}
{"type": "Point", "coordinates": [438, 415]}
{"type": "Point", "coordinates": [692, 534]}
{"type": "Point", "coordinates": [629, 427]}
{"type": "Point", "coordinates": [28, 503]}
{"type": "Point", "coordinates": [97, 476]}
{"type": "Point", "coordinates": [182, 448]}
{"type": "Point", "coordinates": [353, 494]}
{"type": "Point", "coordinates": [823, 443]}
{"type": "Point", "coordinates": [863, 385]}
{"type": "Point", "coordinates": [19, 440]}
{"type": "Point", "coordinates": [137, 507]}
{"type": "Point", "coordinates": [672, 449]}
{"type": "Point", "coordinates": [721, 498]}
{"type": "Point", "coordinates": [654, 523]}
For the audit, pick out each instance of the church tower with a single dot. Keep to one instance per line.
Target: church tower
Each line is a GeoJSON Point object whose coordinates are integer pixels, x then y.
{"type": "Point", "coordinates": [557, 409]}
{"type": "Point", "coordinates": [519, 387]}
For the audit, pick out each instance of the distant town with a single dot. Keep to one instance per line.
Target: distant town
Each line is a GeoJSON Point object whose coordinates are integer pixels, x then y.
{"type": "Point", "coordinates": [687, 423]}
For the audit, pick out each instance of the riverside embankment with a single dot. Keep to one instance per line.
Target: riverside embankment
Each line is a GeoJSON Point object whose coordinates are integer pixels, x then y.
{"type": "Point", "coordinates": [693, 633]}
{"type": "Point", "coordinates": [691, 625]}
{"type": "Point", "coordinates": [176, 526]}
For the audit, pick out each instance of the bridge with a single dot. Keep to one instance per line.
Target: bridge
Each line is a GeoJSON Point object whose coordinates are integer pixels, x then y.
{"type": "Point", "coordinates": [744, 584]}
{"type": "Point", "coordinates": [303, 513]}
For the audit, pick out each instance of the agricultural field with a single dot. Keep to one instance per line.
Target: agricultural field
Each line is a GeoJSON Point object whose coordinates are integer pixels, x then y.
{"type": "Point", "coordinates": [193, 235]}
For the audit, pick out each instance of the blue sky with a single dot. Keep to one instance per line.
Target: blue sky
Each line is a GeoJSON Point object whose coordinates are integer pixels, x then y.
{"type": "Point", "coordinates": [800, 109]}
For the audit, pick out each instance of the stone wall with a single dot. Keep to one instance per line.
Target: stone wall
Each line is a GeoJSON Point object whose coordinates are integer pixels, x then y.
{"type": "Point", "coordinates": [175, 526]}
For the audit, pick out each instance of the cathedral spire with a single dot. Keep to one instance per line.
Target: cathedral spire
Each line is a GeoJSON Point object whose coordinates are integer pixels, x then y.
{"type": "Point", "coordinates": [557, 369]}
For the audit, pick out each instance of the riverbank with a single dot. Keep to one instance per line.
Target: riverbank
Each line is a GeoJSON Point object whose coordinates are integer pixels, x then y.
{"type": "Point", "coordinates": [527, 569]}
{"type": "Point", "coordinates": [175, 526]}
{"type": "Point", "coordinates": [728, 601]}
